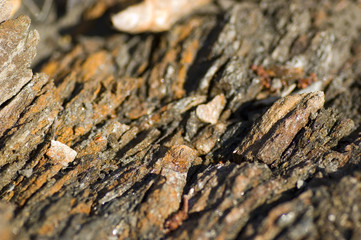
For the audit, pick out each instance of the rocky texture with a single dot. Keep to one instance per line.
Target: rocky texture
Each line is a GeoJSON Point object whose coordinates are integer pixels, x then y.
{"type": "Point", "coordinates": [277, 128]}
{"type": "Point", "coordinates": [278, 157]}
{"type": "Point", "coordinates": [16, 53]}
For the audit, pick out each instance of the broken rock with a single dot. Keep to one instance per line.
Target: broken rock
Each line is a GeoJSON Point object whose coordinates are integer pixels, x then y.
{"type": "Point", "coordinates": [18, 49]}
{"type": "Point", "coordinates": [270, 137]}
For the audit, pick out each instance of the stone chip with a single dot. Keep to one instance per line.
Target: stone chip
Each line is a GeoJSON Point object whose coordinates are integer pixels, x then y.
{"type": "Point", "coordinates": [59, 153]}
{"type": "Point", "coordinates": [210, 112]}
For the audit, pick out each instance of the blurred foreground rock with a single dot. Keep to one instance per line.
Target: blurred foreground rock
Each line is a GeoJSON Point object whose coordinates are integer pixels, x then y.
{"type": "Point", "coordinates": [239, 123]}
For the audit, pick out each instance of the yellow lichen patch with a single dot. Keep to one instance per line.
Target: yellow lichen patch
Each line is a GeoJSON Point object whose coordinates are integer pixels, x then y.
{"type": "Point", "coordinates": [36, 183]}
{"type": "Point", "coordinates": [93, 64]}
{"type": "Point", "coordinates": [50, 68]}
{"type": "Point", "coordinates": [186, 30]}
{"type": "Point", "coordinates": [63, 181]}
{"type": "Point", "coordinates": [64, 134]}
{"type": "Point", "coordinates": [83, 207]}
{"type": "Point", "coordinates": [54, 68]}
{"type": "Point", "coordinates": [187, 59]}
{"type": "Point", "coordinates": [98, 144]}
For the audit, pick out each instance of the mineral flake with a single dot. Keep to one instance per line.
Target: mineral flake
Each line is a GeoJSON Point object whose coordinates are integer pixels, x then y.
{"type": "Point", "coordinates": [59, 153]}
{"type": "Point", "coordinates": [211, 111]}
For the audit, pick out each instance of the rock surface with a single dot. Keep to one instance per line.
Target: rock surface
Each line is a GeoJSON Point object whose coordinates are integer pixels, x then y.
{"type": "Point", "coordinates": [277, 128]}
{"type": "Point", "coordinates": [18, 49]}
{"type": "Point", "coordinates": [275, 154]}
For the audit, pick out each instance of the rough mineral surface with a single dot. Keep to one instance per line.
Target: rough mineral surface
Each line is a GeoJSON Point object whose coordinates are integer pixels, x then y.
{"type": "Point", "coordinates": [270, 137]}
{"type": "Point", "coordinates": [275, 153]}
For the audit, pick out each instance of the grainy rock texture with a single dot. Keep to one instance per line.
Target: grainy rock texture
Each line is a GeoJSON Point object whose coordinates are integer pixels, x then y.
{"type": "Point", "coordinates": [240, 122]}
{"type": "Point", "coordinates": [17, 51]}
{"type": "Point", "coordinates": [278, 127]}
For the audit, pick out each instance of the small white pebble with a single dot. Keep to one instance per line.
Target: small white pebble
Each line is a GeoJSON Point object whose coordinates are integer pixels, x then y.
{"type": "Point", "coordinates": [300, 183]}
{"type": "Point", "coordinates": [211, 111]}
{"type": "Point", "coordinates": [154, 15]}
{"type": "Point", "coordinates": [59, 153]}
{"type": "Point", "coordinates": [331, 218]}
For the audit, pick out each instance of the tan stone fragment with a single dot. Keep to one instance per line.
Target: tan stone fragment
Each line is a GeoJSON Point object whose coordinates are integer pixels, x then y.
{"type": "Point", "coordinates": [154, 15]}
{"type": "Point", "coordinates": [60, 153]}
{"type": "Point", "coordinates": [168, 190]}
{"type": "Point", "coordinates": [17, 50]}
{"type": "Point", "coordinates": [211, 111]}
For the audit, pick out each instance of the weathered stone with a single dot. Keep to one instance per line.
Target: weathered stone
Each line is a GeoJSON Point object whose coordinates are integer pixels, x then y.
{"type": "Point", "coordinates": [208, 138]}
{"type": "Point", "coordinates": [167, 191]}
{"type": "Point", "coordinates": [10, 113]}
{"type": "Point", "coordinates": [18, 49]}
{"type": "Point", "coordinates": [270, 137]}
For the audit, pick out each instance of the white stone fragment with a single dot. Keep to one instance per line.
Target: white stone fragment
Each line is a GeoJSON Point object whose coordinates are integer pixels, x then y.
{"type": "Point", "coordinates": [59, 153]}
{"type": "Point", "coordinates": [154, 15]}
{"type": "Point", "coordinates": [210, 112]}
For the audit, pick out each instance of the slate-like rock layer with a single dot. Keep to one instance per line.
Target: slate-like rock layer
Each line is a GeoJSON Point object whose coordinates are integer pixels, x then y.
{"type": "Point", "coordinates": [147, 166]}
